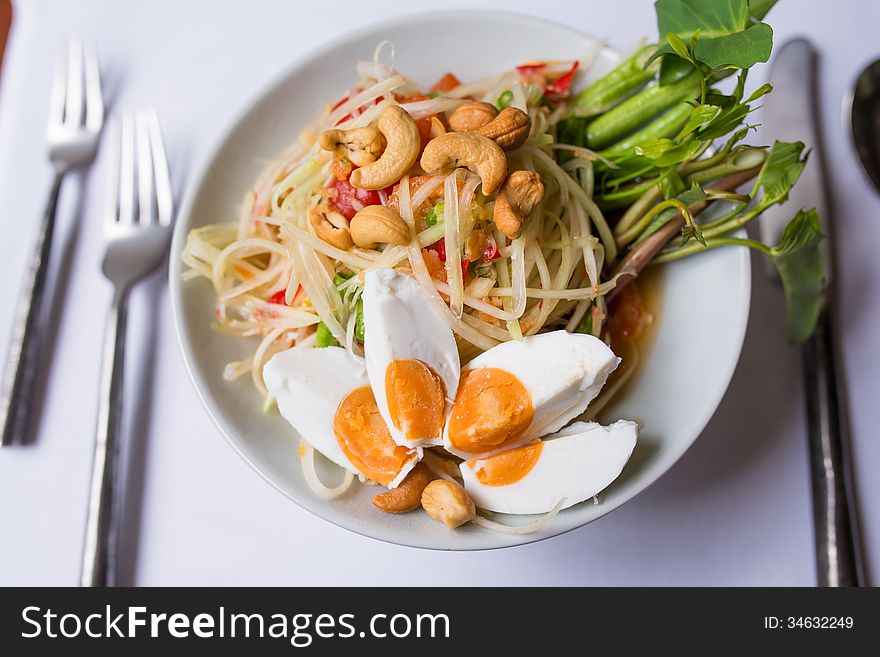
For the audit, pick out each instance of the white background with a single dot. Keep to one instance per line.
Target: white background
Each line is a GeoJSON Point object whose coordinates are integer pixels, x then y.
{"type": "Point", "coordinates": [734, 511]}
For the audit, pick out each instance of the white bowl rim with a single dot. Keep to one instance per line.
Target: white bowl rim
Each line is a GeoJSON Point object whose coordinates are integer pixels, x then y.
{"type": "Point", "coordinates": [175, 270]}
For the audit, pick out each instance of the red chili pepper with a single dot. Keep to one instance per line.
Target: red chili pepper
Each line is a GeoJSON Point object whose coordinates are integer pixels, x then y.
{"type": "Point", "coordinates": [561, 85]}
{"type": "Point", "coordinates": [440, 248]}
{"type": "Point", "coordinates": [528, 69]}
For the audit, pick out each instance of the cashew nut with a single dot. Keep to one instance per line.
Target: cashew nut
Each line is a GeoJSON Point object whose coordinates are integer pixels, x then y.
{"type": "Point", "coordinates": [437, 127]}
{"type": "Point", "coordinates": [361, 146]}
{"type": "Point", "coordinates": [509, 129]}
{"type": "Point", "coordinates": [518, 196]}
{"type": "Point", "coordinates": [467, 149]}
{"type": "Point", "coordinates": [403, 143]}
{"type": "Point", "coordinates": [331, 227]}
{"type": "Point", "coordinates": [470, 117]}
{"type": "Point", "coordinates": [378, 223]}
{"type": "Point", "coordinates": [447, 502]}
{"type": "Point", "coordinates": [408, 495]}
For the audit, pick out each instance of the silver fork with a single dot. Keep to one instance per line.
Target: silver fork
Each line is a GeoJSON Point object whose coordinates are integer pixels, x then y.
{"type": "Point", "coordinates": [76, 114]}
{"type": "Point", "coordinates": [137, 229]}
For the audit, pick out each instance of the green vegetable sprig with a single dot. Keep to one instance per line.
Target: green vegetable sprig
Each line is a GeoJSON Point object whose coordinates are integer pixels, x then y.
{"type": "Point", "coordinates": [672, 143]}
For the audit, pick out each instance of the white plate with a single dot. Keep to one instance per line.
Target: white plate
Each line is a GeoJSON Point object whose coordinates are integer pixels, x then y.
{"type": "Point", "coordinates": [701, 322]}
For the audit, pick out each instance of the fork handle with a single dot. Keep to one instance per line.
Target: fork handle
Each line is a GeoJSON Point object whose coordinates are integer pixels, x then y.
{"type": "Point", "coordinates": [99, 551]}
{"type": "Point", "coordinates": [22, 360]}
{"type": "Point", "coordinates": [834, 521]}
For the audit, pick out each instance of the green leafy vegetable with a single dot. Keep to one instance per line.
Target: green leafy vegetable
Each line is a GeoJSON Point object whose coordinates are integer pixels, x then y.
{"type": "Point", "coordinates": [670, 143]}
{"type": "Point", "coordinates": [781, 171]}
{"type": "Point", "coordinates": [798, 260]}
{"type": "Point", "coordinates": [724, 33]}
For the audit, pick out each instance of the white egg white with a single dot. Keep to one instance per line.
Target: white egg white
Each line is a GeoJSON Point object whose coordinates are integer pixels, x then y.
{"type": "Point", "coordinates": [575, 464]}
{"type": "Point", "coordinates": [562, 371]}
{"type": "Point", "coordinates": [400, 324]}
{"type": "Point", "coordinates": [308, 384]}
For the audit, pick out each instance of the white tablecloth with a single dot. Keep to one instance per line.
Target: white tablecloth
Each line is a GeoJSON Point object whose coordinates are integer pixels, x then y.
{"type": "Point", "coordinates": [734, 511]}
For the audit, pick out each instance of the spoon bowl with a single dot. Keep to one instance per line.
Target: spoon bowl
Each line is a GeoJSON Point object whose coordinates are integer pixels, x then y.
{"type": "Point", "coordinates": [865, 120]}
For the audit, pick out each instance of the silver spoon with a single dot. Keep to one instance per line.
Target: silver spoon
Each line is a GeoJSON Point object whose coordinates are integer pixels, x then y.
{"type": "Point", "coordinates": [865, 120]}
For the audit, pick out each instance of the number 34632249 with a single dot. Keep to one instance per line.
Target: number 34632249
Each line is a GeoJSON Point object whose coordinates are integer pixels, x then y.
{"type": "Point", "coordinates": [809, 622]}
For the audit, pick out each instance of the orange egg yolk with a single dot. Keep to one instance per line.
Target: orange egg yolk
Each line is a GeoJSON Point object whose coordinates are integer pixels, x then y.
{"type": "Point", "coordinates": [416, 399]}
{"type": "Point", "coordinates": [363, 436]}
{"type": "Point", "coordinates": [507, 467]}
{"type": "Point", "coordinates": [492, 409]}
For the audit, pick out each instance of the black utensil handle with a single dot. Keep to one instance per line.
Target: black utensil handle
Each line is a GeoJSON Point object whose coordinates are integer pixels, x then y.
{"type": "Point", "coordinates": [837, 550]}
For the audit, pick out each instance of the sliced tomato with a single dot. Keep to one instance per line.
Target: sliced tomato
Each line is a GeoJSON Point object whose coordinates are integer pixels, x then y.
{"type": "Point", "coordinates": [342, 195]}
{"type": "Point", "coordinates": [447, 82]}
{"type": "Point", "coordinates": [424, 126]}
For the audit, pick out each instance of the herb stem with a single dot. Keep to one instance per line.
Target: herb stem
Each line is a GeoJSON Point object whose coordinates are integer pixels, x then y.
{"type": "Point", "coordinates": [635, 210]}
{"type": "Point", "coordinates": [632, 233]}
{"type": "Point", "coordinates": [684, 251]}
{"type": "Point", "coordinates": [643, 252]}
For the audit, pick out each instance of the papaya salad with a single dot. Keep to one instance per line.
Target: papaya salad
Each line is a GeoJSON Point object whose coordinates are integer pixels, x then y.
{"type": "Point", "coordinates": [439, 281]}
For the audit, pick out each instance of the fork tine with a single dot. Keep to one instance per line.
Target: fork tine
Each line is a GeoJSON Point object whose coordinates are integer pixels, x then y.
{"type": "Point", "coordinates": [94, 101]}
{"type": "Point", "coordinates": [126, 170]}
{"type": "Point", "coordinates": [73, 107]}
{"type": "Point", "coordinates": [59, 88]}
{"type": "Point", "coordinates": [164, 198]}
{"type": "Point", "coordinates": [144, 168]}
{"type": "Point", "coordinates": [111, 203]}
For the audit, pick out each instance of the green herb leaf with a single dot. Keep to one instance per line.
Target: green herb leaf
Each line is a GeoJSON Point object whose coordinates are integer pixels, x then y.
{"type": "Point", "coordinates": [667, 152]}
{"type": "Point", "coordinates": [759, 8]}
{"type": "Point", "coordinates": [323, 337]}
{"type": "Point", "coordinates": [725, 34]}
{"type": "Point", "coordinates": [799, 263]}
{"type": "Point", "coordinates": [679, 46]}
{"type": "Point", "coordinates": [700, 115]}
{"type": "Point", "coordinates": [763, 90]}
{"type": "Point", "coordinates": [673, 68]}
{"type": "Point", "coordinates": [780, 172]}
